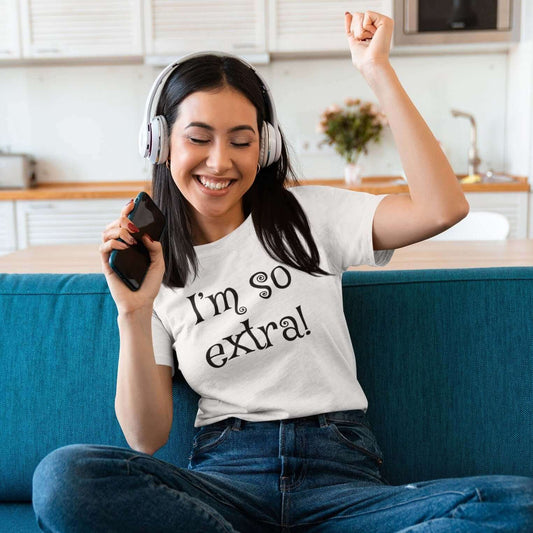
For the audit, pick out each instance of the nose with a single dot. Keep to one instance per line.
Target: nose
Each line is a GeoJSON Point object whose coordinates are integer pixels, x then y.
{"type": "Point", "coordinates": [219, 158]}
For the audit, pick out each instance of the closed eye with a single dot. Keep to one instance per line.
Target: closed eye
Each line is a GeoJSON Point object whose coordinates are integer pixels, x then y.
{"type": "Point", "coordinates": [203, 141]}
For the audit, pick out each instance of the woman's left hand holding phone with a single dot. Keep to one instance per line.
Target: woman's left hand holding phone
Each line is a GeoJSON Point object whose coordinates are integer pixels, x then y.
{"type": "Point", "coordinates": [143, 401]}
{"type": "Point", "coordinates": [128, 301]}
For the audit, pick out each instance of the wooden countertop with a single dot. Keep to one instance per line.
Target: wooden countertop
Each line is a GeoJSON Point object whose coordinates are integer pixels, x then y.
{"type": "Point", "coordinates": [397, 185]}
{"type": "Point", "coordinates": [85, 258]}
{"type": "Point", "coordinates": [67, 190]}
{"type": "Point", "coordinates": [129, 189]}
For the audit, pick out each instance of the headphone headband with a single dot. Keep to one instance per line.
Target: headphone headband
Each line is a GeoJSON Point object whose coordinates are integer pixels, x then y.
{"type": "Point", "coordinates": [153, 149]}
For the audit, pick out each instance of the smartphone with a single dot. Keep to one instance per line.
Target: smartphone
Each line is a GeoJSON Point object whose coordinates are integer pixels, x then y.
{"type": "Point", "coordinates": [132, 264]}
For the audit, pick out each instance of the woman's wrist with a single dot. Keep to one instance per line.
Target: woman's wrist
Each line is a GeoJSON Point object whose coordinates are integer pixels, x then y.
{"type": "Point", "coordinates": [138, 314]}
{"type": "Point", "coordinates": [378, 72]}
{"type": "Point", "coordinates": [385, 85]}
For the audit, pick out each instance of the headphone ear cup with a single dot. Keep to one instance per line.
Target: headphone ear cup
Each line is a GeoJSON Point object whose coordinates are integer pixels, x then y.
{"type": "Point", "coordinates": [144, 140]}
{"type": "Point", "coordinates": [159, 148]}
{"type": "Point", "coordinates": [270, 150]}
{"type": "Point", "coordinates": [276, 143]}
{"type": "Point", "coordinates": [263, 147]}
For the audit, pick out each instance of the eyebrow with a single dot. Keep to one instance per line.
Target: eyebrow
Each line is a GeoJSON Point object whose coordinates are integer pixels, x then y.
{"type": "Point", "coordinates": [210, 128]}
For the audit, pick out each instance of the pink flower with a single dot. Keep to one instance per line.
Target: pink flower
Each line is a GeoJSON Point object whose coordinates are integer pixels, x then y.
{"type": "Point", "coordinates": [334, 108]}
{"type": "Point", "coordinates": [352, 101]}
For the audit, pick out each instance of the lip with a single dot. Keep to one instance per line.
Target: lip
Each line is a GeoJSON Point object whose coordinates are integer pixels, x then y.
{"type": "Point", "coordinates": [215, 178]}
{"type": "Point", "coordinates": [213, 192]}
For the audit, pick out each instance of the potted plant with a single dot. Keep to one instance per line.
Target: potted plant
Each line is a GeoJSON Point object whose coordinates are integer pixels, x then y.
{"type": "Point", "coordinates": [350, 129]}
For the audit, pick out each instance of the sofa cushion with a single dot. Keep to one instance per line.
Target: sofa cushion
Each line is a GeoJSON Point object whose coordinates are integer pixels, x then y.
{"type": "Point", "coordinates": [18, 518]}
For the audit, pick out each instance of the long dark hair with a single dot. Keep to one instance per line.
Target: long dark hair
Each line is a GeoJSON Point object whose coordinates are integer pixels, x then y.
{"type": "Point", "coordinates": [278, 218]}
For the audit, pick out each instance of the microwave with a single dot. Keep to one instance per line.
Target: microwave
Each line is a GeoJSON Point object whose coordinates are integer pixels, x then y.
{"type": "Point", "coordinates": [442, 22]}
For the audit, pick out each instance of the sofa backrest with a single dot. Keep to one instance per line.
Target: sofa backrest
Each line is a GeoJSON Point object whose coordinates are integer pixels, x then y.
{"type": "Point", "coordinates": [59, 353]}
{"type": "Point", "coordinates": [446, 360]}
{"type": "Point", "coordinates": [445, 357]}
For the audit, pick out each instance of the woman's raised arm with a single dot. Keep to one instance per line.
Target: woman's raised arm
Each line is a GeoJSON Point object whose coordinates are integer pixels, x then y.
{"type": "Point", "coordinates": [435, 200]}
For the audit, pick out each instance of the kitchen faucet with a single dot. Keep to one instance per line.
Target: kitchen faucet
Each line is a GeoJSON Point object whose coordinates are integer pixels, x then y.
{"type": "Point", "coordinates": [473, 156]}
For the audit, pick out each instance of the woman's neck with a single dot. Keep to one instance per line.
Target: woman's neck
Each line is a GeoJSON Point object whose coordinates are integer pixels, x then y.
{"type": "Point", "coordinates": [207, 229]}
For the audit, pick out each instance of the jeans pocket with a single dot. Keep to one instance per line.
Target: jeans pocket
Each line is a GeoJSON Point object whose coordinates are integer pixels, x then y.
{"type": "Point", "coordinates": [208, 438]}
{"type": "Point", "coordinates": [357, 437]}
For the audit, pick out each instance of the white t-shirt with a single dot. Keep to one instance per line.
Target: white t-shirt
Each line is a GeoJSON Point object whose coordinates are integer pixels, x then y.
{"type": "Point", "coordinates": [259, 340]}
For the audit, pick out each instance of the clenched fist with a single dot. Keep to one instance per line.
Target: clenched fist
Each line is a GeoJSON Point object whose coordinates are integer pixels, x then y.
{"type": "Point", "coordinates": [369, 37]}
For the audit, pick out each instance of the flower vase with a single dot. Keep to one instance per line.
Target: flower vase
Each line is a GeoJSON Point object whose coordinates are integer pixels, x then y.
{"type": "Point", "coordinates": [353, 174]}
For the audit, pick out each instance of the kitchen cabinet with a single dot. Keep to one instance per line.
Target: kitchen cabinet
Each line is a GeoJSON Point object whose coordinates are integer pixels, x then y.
{"type": "Point", "coordinates": [314, 25]}
{"type": "Point", "coordinates": [9, 30]}
{"type": "Point", "coordinates": [69, 213]}
{"type": "Point", "coordinates": [179, 27]}
{"type": "Point", "coordinates": [8, 232]}
{"type": "Point", "coordinates": [161, 30]}
{"type": "Point", "coordinates": [61, 213]}
{"type": "Point", "coordinates": [67, 29]}
{"type": "Point", "coordinates": [40, 222]}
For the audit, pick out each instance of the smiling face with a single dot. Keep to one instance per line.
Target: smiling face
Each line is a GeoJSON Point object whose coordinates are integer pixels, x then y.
{"type": "Point", "coordinates": [214, 151]}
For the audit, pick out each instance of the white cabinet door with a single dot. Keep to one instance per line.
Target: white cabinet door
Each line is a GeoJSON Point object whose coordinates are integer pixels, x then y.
{"type": "Point", "coordinates": [177, 27]}
{"type": "Point", "coordinates": [81, 28]}
{"type": "Point", "coordinates": [64, 221]}
{"type": "Point", "coordinates": [9, 30]}
{"type": "Point", "coordinates": [8, 235]}
{"type": "Point", "coordinates": [315, 25]}
{"type": "Point", "coordinates": [514, 205]}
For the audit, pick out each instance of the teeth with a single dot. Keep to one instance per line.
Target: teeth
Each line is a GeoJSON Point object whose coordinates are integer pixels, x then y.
{"type": "Point", "coordinates": [214, 185]}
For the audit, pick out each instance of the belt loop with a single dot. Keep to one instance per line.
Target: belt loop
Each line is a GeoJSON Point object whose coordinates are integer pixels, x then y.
{"type": "Point", "coordinates": [322, 420]}
{"type": "Point", "coordinates": [236, 426]}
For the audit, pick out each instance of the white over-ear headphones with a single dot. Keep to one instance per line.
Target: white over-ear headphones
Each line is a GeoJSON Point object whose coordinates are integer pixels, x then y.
{"type": "Point", "coordinates": [154, 132]}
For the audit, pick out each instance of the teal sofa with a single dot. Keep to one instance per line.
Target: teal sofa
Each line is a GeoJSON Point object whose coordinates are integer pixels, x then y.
{"type": "Point", "coordinates": [445, 357]}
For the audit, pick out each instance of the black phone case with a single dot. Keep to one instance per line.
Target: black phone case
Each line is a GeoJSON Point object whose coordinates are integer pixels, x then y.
{"type": "Point", "coordinates": [132, 264]}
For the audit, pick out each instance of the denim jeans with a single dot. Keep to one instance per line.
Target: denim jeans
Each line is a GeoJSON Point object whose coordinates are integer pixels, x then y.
{"type": "Point", "coordinates": [314, 474]}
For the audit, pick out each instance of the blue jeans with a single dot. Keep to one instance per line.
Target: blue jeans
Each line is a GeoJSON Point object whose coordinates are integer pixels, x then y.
{"type": "Point", "coordinates": [314, 474]}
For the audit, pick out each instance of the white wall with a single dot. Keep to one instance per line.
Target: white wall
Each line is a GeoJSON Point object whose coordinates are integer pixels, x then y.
{"type": "Point", "coordinates": [519, 138]}
{"type": "Point", "coordinates": [473, 83]}
{"type": "Point", "coordinates": [81, 122]}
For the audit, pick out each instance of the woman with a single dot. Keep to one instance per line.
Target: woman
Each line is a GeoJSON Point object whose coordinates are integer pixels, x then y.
{"type": "Point", "coordinates": [245, 286]}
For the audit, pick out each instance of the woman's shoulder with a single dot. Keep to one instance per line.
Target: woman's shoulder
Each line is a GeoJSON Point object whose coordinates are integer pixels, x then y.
{"type": "Point", "coordinates": [316, 201]}
{"type": "Point", "coordinates": [310, 193]}
{"type": "Point", "coordinates": [325, 204]}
